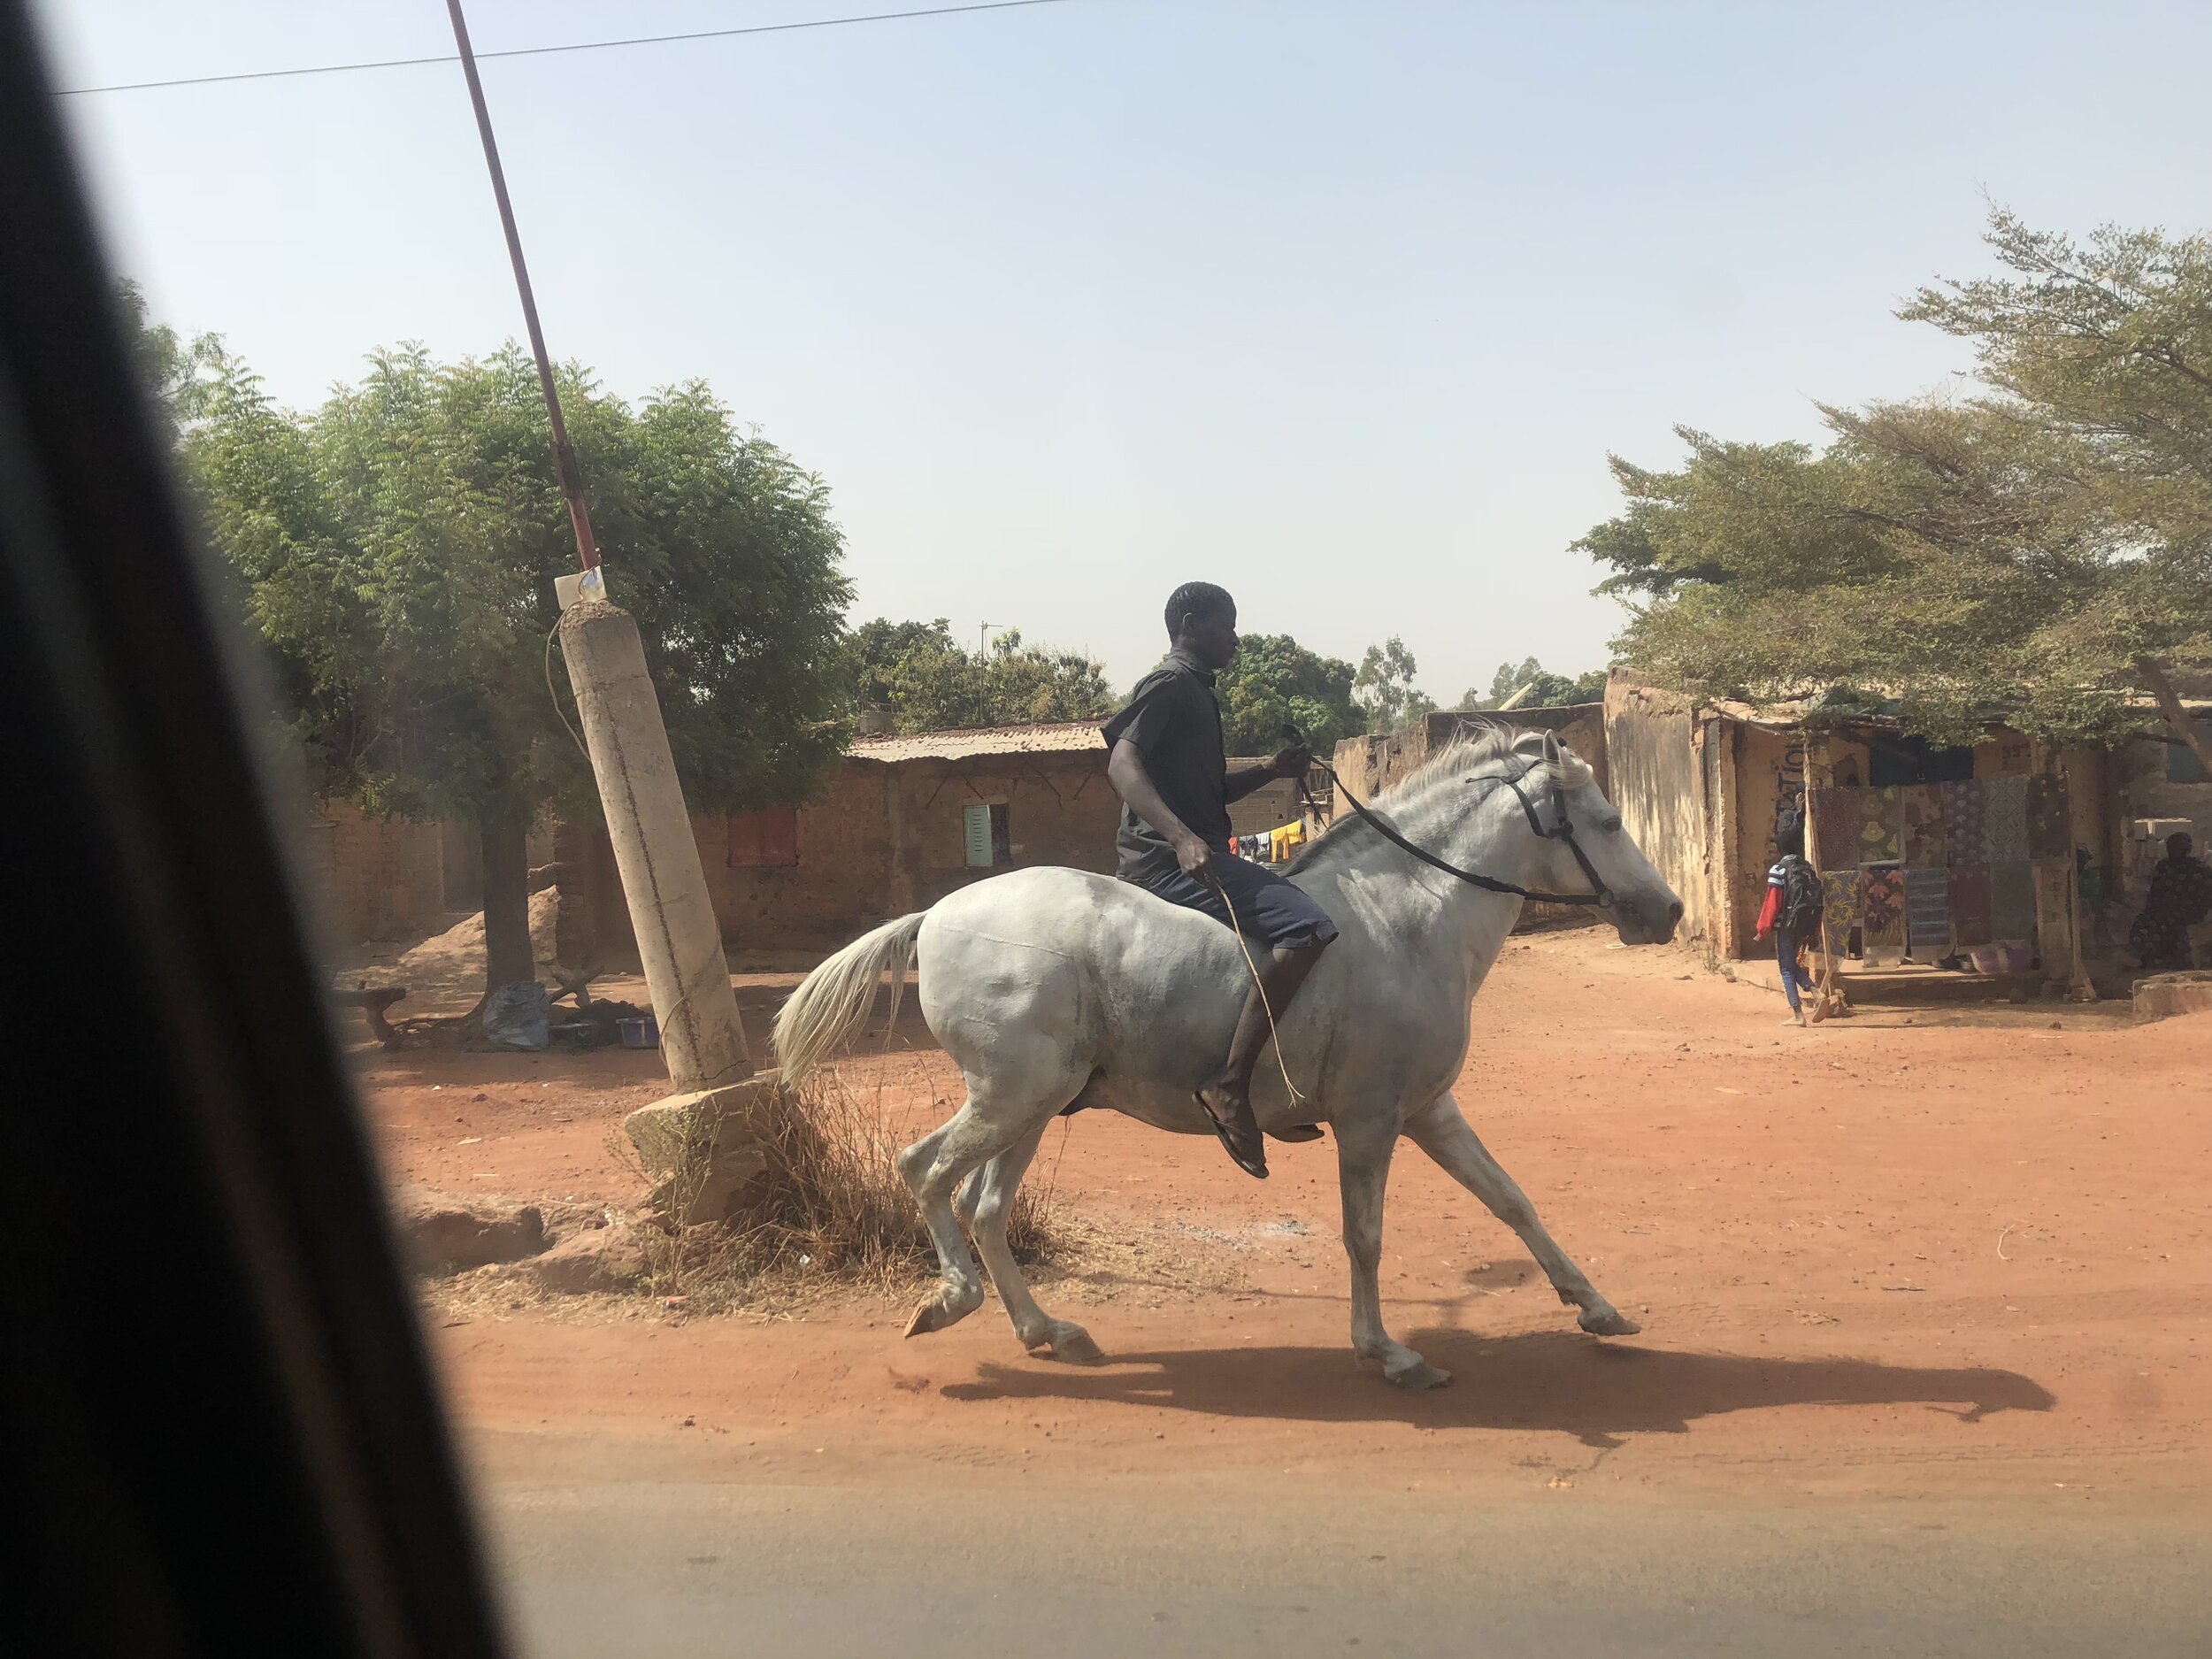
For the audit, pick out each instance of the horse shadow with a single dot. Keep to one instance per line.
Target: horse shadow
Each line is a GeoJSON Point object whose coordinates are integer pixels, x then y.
{"type": "Point", "coordinates": [1559, 1381]}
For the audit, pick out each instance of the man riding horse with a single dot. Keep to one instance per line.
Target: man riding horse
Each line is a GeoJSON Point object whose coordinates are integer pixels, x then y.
{"type": "Point", "coordinates": [1169, 765]}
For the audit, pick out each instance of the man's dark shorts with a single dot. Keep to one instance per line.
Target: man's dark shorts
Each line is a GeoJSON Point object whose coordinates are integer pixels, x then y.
{"type": "Point", "coordinates": [1269, 910]}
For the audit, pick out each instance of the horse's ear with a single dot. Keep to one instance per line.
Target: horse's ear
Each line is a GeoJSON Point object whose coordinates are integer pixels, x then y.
{"type": "Point", "coordinates": [1531, 743]}
{"type": "Point", "coordinates": [1551, 748]}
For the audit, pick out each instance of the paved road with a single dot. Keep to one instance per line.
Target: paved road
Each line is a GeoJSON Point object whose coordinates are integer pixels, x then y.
{"type": "Point", "coordinates": [672, 1570]}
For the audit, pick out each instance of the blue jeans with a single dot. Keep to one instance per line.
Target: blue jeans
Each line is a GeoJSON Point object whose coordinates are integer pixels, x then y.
{"type": "Point", "coordinates": [1786, 948]}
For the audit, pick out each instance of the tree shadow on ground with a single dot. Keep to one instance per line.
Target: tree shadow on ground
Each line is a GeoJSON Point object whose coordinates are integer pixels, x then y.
{"type": "Point", "coordinates": [1560, 1382]}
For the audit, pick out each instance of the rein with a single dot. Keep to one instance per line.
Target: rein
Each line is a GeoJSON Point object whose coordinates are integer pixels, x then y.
{"type": "Point", "coordinates": [1599, 896]}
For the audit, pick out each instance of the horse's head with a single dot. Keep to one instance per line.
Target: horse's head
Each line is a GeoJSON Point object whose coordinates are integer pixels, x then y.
{"type": "Point", "coordinates": [1588, 845]}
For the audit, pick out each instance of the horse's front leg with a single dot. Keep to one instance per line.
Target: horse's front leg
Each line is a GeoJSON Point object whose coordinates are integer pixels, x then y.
{"type": "Point", "coordinates": [1363, 1164]}
{"type": "Point", "coordinates": [1440, 1129]}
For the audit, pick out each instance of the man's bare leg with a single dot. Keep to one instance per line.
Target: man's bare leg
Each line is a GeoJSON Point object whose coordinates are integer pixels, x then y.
{"type": "Point", "coordinates": [1229, 1096]}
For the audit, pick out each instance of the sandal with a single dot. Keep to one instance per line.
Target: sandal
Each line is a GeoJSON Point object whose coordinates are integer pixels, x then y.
{"type": "Point", "coordinates": [1250, 1156]}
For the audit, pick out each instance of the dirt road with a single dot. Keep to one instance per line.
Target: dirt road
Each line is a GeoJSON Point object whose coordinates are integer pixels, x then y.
{"type": "Point", "coordinates": [1926, 1342]}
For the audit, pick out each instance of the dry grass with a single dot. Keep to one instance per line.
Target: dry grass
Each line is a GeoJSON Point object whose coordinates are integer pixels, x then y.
{"type": "Point", "coordinates": [830, 1215]}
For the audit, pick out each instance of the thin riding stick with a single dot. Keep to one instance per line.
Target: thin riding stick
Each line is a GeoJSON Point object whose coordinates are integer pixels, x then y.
{"type": "Point", "coordinates": [1258, 984]}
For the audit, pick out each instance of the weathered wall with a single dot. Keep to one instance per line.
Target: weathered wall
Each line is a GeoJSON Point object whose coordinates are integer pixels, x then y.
{"type": "Point", "coordinates": [1657, 768]}
{"type": "Point", "coordinates": [1060, 809]}
{"type": "Point", "coordinates": [375, 878]}
{"type": "Point", "coordinates": [1270, 806]}
{"type": "Point", "coordinates": [1371, 764]}
{"type": "Point", "coordinates": [880, 840]}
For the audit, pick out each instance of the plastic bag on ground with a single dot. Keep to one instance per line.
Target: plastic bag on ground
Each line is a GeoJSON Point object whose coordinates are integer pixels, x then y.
{"type": "Point", "coordinates": [519, 1017]}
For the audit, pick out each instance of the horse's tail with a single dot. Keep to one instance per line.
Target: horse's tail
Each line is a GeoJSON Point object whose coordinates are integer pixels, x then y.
{"type": "Point", "coordinates": [832, 1003]}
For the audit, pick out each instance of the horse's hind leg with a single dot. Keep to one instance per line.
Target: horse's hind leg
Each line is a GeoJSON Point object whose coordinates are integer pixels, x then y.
{"type": "Point", "coordinates": [997, 1116]}
{"type": "Point", "coordinates": [987, 1201]}
{"type": "Point", "coordinates": [1442, 1131]}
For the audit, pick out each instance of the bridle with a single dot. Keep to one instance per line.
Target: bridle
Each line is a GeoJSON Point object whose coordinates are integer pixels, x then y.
{"type": "Point", "coordinates": [1599, 896]}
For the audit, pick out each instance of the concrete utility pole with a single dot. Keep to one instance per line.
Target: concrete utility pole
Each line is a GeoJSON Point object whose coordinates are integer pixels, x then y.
{"type": "Point", "coordinates": [702, 1039]}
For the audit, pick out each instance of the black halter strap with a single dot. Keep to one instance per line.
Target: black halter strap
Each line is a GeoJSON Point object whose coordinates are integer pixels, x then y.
{"type": "Point", "coordinates": [1599, 896]}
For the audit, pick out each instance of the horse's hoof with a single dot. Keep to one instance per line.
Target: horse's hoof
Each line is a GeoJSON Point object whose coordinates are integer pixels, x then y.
{"type": "Point", "coordinates": [1418, 1376]}
{"type": "Point", "coordinates": [1608, 1322]}
{"type": "Point", "coordinates": [1074, 1346]}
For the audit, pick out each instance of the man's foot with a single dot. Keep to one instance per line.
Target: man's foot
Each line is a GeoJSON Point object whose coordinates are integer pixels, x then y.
{"type": "Point", "coordinates": [1797, 1017]}
{"type": "Point", "coordinates": [1231, 1116]}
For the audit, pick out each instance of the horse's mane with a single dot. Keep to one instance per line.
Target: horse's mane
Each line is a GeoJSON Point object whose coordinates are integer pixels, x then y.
{"type": "Point", "coordinates": [1478, 741]}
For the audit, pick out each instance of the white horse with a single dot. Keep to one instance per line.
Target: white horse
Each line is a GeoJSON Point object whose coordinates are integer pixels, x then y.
{"type": "Point", "coordinates": [1051, 988]}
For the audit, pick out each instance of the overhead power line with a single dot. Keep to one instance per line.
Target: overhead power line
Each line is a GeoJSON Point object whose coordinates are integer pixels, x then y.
{"type": "Point", "coordinates": [574, 46]}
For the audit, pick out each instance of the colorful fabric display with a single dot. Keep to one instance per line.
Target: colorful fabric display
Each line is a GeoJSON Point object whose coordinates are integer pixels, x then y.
{"type": "Point", "coordinates": [1836, 829]}
{"type": "Point", "coordinates": [1923, 826]}
{"type": "Point", "coordinates": [1840, 888]}
{"type": "Point", "coordinates": [2005, 821]}
{"type": "Point", "coordinates": [1927, 911]}
{"type": "Point", "coordinates": [1878, 831]}
{"type": "Point", "coordinates": [1882, 907]}
{"type": "Point", "coordinates": [1964, 820]}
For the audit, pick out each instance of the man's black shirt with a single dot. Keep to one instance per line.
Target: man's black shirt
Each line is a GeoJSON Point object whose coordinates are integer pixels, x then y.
{"type": "Point", "coordinates": [1176, 724]}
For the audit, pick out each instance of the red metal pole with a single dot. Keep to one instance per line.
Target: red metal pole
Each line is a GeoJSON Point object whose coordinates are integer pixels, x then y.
{"type": "Point", "coordinates": [563, 456]}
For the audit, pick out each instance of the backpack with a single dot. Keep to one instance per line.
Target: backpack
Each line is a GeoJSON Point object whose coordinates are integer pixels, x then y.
{"type": "Point", "coordinates": [1802, 900]}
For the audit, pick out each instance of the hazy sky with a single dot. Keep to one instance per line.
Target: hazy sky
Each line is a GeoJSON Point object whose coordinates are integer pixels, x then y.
{"type": "Point", "coordinates": [1340, 302]}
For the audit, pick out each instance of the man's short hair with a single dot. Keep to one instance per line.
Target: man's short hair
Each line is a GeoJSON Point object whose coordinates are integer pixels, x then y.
{"type": "Point", "coordinates": [2179, 844]}
{"type": "Point", "coordinates": [1197, 599]}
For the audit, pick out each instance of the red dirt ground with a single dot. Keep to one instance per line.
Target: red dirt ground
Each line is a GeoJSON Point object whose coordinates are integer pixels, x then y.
{"type": "Point", "coordinates": [1891, 1256]}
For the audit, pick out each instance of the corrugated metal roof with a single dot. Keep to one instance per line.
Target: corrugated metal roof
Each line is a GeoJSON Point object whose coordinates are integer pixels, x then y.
{"type": "Point", "coordinates": [1057, 737]}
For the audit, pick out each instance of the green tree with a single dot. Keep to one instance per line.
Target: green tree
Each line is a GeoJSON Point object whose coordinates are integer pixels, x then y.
{"type": "Point", "coordinates": [1545, 690]}
{"type": "Point", "coordinates": [174, 369]}
{"type": "Point", "coordinates": [1273, 682]}
{"type": "Point", "coordinates": [396, 549]}
{"type": "Point", "coordinates": [1384, 688]}
{"type": "Point", "coordinates": [2042, 550]}
{"type": "Point", "coordinates": [920, 676]}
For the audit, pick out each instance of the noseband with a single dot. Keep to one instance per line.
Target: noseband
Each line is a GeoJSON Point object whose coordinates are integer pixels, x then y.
{"type": "Point", "coordinates": [1599, 896]}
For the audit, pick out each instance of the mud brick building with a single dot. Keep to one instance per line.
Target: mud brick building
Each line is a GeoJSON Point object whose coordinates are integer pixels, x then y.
{"type": "Point", "coordinates": [1928, 852]}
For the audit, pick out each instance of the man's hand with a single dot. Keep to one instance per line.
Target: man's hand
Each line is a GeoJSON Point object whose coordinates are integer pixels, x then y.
{"type": "Point", "coordinates": [1196, 858]}
{"type": "Point", "coordinates": [1293, 761]}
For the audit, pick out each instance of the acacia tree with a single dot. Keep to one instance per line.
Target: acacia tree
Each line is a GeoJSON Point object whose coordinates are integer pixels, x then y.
{"type": "Point", "coordinates": [2041, 549]}
{"type": "Point", "coordinates": [916, 673]}
{"type": "Point", "coordinates": [1544, 689]}
{"type": "Point", "coordinates": [1384, 688]}
{"type": "Point", "coordinates": [396, 549]}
